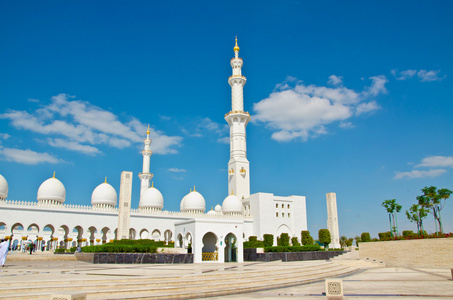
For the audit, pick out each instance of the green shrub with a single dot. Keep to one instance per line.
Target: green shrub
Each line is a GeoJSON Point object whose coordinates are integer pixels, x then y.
{"type": "Point", "coordinates": [408, 233]}
{"type": "Point", "coordinates": [365, 237]}
{"type": "Point", "coordinates": [284, 239]}
{"type": "Point", "coordinates": [384, 236]}
{"type": "Point", "coordinates": [73, 249]}
{"type": "Point", "coordinates": [60, 250]}
{"type": "Point", "coordinates": [306, 238]}
{"type": "Point", "coordinates": [268, 240]}
{"type": "Point", "coordinates": [292, 248]}
{"type": "Point", "coordinates": [294, 241]}
{"type": "Point", "coordinates": [253, 238]}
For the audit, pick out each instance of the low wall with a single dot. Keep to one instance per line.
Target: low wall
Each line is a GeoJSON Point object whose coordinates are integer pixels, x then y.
{"type": "Point", "coordinates": [422, 253]}
{"type": "Point", "coordinates": [252, 255]}
{"type": "Point", "coordinates": [135, 258]}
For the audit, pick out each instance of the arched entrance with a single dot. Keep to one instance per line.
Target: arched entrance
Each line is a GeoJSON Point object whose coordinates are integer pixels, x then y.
{"type": "Point", "coordinates": [231, 249]}
{"type": "Point", "coordinates": [209, 251]}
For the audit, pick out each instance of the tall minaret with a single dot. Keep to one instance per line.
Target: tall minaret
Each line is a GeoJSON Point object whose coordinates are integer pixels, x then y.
{"type": "Point", "coordinates": [238, 166]}
{"type": "Point", "coordinates": [145, 176]}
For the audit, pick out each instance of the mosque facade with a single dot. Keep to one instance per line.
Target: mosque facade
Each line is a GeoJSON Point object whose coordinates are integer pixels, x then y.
{"type": "Point", "coordinates": [216, 235]}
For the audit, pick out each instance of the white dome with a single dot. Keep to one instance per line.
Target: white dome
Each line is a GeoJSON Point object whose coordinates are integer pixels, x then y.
{"type": "Point", "coordinates": [52, 190]}
{"type": "Point", "coordinates": [3, 187]}
{"type": "Point", "coordinates": [104, 194]}
{"type": "Point", "coordinates": [218, 208]}
{"type": "Point", "coordinates": [151, 198]}
{"type": "Point", "coordinates": [193, 201]}
{"type": "Point", "coordinates": [232, 204]}
{"type": "Point", "coordinates": [211, 212]}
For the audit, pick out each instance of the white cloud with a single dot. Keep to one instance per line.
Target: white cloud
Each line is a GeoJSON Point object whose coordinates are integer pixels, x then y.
{"type": "Point", "coordinates": [201, 127]}
{"type": "Point", "coordinates": [224, 140]}
{"type": "Point", "coordinates": [403, 75]}
{"type": "Point", "coordinates": [424, 75]}
{"type": "Point", "coordinates": [430, 75]}
{"type": "Point", "coordinates": [369, 107]}
{"type": "Point", "coordinates": [302, 111]}
{"type": "Point", "coordinates": [176, 170]}
{"type": "Point", "coordinates": [335, 80]}
{"type": "Point", "coordinates": [437, 161]}
{"type": "Point", "coordinates": [4, 136]}
{"type": "Point", "coordinates": [73, 146]}
{"type": "Point", "coordinates": [28, 156]}
{"type": "Point", "coordinates": [33, 100]}
{"type": "Point", "coordinates": [83, 123]}
{"type": "Point", "coordinates": [346, 125]}
{"type": "Point", "coordinates": [377, 86]}
{"type": "Point", "coordinates": [419, 174]}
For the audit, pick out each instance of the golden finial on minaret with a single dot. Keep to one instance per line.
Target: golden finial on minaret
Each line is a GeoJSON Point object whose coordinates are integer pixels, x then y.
{"type": "Point", "coordinates": [231, 191]}
{"type": "Point", "coordinates": [194, 188]}
{"type": "Point", "coordinates": [147, 132]}
{"type": "Point", "coordinates": [152, 183]}
{"type": "Point", "coordinates": [53, 174]}
{"type": "Point", "coordinates": [236, 48]}
{"type": "Point", "coordinates": [105, 179]}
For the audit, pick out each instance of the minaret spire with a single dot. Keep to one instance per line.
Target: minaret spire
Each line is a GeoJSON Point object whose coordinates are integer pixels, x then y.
{"type": "Point", "coordinates": [238, 166]}
{"type": "Point", "coordinates": [145, 176]}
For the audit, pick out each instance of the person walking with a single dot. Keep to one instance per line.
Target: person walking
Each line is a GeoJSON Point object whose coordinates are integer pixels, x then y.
{"type": "Point", "coordinates": [32, 246]}
{"type": "Point", "coordinates": [4, 248]}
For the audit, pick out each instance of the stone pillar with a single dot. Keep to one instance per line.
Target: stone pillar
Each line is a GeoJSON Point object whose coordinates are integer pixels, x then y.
{"type": "Point", "coordinates": [332, 220]}
{"type": "Point", "coordinates": [124, 211]}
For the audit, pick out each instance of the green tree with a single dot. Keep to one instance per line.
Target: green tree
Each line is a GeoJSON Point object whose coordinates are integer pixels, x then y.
{"type": "Point", "coordinates": [306, 238]}
{"type": "Point", "coordinates": [365, 237]}
{"type": "Point", "coordinates": [349, 242]}
{"type": "Point", "coordinates": [392, 208]}
{"type": "Point", "coordinates": [324, 237]}
{"type": "Point", "coordinates": [283, 240]}
{"type": "Point", "coordinates": [416, 214]}
{"type": "Point", "coordinates": [294, 241]}
{"type": "Point", "coordinates": [358, 240]}
{"type": "Point", "coordinates": [434, 199]}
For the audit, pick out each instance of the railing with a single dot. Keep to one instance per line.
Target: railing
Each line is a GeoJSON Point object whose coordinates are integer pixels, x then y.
{"type": "Point", "coordinates": [210, 256]}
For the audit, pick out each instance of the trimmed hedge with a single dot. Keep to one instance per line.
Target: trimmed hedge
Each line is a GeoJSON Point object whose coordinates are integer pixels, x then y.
{"type": "Point", "coordinates": [268, 240]}
{"type": "Point", "coordinates": [384, 236]}
{"type": "Point", "coordinates": [293, 248]}
{"type": "Point", "coordinates": [306, 238]}
{"type": "Point", "coordinates": [294, 241]}
{"type": "Point", "coordinates": [365, 237]}
{"type": "Point", "coordinates": [112, 248]}
{"type": "Point", "coordinates": [253, 244]}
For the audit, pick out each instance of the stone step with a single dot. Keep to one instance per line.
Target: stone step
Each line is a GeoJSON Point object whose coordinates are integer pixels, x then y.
{"type": "Point", "coordinates": [157, 280]}
{"type": "Point", "coordinates": [179, 288]}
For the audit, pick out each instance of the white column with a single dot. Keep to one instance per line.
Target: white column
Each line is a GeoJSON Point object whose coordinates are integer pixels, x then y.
{"type": "Point", "coordinates": [332, 220]}
{"type": "Point", "coordinates": [124, 208]}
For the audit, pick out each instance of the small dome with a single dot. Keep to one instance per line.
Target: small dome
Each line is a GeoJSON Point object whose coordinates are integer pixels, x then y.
{"type": "Point", "coordinates": [3, 187]}
{"type": "Point", "coordinates": [211, 213]}
{"type": "Point", "coordinates": [104, 194]}
{"type": "Point", "coordinates": [232, 204]}
{"type": "Point", "coordinates": [193, 201]}
{"type": "Point", "coordinates": [52, 190]}
{"type": "Point", "coordinates": [151, 198]}
{"type": "Point", "coordinates": [218, 208]}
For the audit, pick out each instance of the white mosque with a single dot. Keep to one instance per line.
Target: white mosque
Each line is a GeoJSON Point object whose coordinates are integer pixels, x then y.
{"type": "Point", "coordinates": [216, 235]}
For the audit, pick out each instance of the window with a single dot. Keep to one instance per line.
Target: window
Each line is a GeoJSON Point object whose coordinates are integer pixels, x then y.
{"type": "Point", "coordinates": [283, 205]}
{"type": "Point", "coordinates": [289, 215]}
{"type": "Point", "coordinates": [288, 206]}
{"type": "Point", "coordinates": [276, 205]}
{"type": "Point", "coordinates": [276, 214]}
{"type": "Point", "coordinates": [283, 214]}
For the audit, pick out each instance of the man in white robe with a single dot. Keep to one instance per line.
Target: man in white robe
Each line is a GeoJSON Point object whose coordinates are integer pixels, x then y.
{"type": "Point", "coordinates": [4, 248]}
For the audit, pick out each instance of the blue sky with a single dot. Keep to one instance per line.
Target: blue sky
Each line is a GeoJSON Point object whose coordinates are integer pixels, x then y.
{"type": "Point", "coordinates": [347, 97]}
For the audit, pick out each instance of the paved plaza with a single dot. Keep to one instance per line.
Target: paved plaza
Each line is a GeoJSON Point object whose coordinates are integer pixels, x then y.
{"type": "Point", "coordinates": [38, 276]}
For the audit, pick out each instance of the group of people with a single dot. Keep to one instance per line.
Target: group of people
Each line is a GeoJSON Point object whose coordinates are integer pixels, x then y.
{"type": "Point", "coordinates": [4, 248]}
